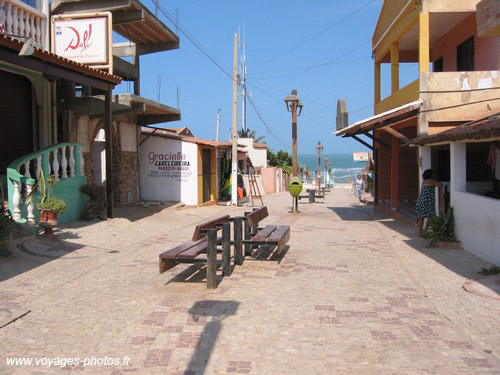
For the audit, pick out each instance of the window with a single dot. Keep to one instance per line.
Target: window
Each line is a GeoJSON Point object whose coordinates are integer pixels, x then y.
{"type": "Point", "coordinates": [438, 65]}
{"type": "Point", "coordinates": [31, 3]}
{"type": "Point", "coordinates": [465, 56]}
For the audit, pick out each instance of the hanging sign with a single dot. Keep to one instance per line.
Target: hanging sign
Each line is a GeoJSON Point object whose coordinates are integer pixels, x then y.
{"type": "Point", "coordinates": [84, 38]}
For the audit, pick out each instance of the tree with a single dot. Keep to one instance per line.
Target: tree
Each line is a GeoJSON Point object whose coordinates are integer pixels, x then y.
{"type": "Point", "coordinates": [247, 133]}
{"type": "Point", "coordinates": [281, 159]}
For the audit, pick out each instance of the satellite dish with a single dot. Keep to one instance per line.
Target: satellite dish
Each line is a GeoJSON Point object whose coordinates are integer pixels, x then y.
{"type": "Point", "coordinates": [342, 116]}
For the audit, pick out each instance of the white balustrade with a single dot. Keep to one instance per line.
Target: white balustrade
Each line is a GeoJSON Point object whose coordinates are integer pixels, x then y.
{"type": "Point", "coordinates": [37, 163]}
{"type": "Point", "coordinates": [72, 161]}
{"type": "Point", "coordinates": [20, 19]}
{"type": "Point", "coordinates": [64, 163]}
{"type": "Point", "coordinates": [16, 200]}
{"type": "Point", "coordinates": [55, 165]}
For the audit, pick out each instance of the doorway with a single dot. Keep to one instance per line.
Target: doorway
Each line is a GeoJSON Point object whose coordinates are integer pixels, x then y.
{"type": "Point", "coordinates": [205, 160]}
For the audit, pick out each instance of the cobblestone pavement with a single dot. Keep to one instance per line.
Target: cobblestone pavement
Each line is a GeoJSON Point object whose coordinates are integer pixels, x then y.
{"type": "Point", "coordinates": [356, 293]}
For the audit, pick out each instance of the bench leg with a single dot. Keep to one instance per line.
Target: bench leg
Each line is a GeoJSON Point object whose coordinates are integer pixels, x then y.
{"type": "Point", "coordinates": [238, 250]}
{"type": "Point", "coordinates": [247, 236]}
{"type": "Point", "coordinates": [212, 259]}
{"type": "Point", "coordinates": [166, 264]}
{"type": "Point", "coordinates": [226, 249]}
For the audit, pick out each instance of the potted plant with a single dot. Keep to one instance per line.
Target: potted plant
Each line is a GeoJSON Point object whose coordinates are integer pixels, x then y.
{"type": "Point", "coordinates": [49, 206]}
{"type": "Point", "coordinates": [5, 222]}
{"type": "Point", "coordinates": [441, 232]}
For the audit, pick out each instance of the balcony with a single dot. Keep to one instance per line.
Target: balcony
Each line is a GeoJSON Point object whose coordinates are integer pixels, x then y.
{"type": "Point", "coordinates": [459, 96]}
{"type": "Point", "coordinates": [21, 20]}
{"type": "Point", "coordinates": [407, 94]}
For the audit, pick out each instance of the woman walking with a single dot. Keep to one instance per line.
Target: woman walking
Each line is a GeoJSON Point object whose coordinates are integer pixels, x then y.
{"type": "Point", "coordinates": [358, 186]}
{"type": "Point", "coordinates": [426, 202]}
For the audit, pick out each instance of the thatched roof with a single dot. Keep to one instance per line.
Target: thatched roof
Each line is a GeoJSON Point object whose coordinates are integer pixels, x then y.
{"type": "Point", "coordinates": [486, 129]}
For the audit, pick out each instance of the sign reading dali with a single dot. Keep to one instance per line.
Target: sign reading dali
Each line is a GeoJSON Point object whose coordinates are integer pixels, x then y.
{"type": "Point", "coordinates": [83, 38]}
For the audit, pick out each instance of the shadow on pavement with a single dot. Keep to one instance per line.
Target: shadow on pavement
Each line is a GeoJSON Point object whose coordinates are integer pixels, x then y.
{"type": "Point", "coordinates": [218, 311]}
{"type": "Point", "coordinates": [266, 252]}
{"type": "Point", "coordinates": [33, 252]}
{"type": "Point", "coordinates": [351, 213]}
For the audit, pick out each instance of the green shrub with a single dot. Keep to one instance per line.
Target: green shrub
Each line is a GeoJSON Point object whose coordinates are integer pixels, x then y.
{"type": "Point", "coordinates": [442, 228]}
{"type": "Point", "coordinates": [52, 204]}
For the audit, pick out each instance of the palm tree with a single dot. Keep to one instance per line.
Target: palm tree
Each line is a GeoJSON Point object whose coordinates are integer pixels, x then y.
{"type": "Point", "coordinates": [247, 133]}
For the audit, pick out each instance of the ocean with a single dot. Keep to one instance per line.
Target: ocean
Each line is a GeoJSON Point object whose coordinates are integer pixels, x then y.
{"type": "Point", "coordinates": [344, 168]}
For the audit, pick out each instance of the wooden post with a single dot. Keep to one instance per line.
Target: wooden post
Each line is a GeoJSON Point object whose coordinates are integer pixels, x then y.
{"type": "Point", "coordinates": [394, 173]}
{"type": "Point", "coordinates": [212, 259]}
{"type": "Point", "coordinates": [375, 174]}
{"type": "Point", "coordinates": [253, 233]}
{"type": "Point", "coordinates": [226, 249]}
{"type": "Point", "coordinates": [247, 236]}
{"type": "Point", "coordinates": [238, 250]}
{"type": "Point", "coordinates": [294, 142]}
{"type": "Point", "coordinates": [108, 128]}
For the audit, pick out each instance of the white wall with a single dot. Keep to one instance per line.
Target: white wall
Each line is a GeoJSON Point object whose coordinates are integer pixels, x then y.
{"type": "Point", "coordinates": [477, 224]}
{"type": "Point", "coordinates": [128, 136]}
{"type": "Point", "coordinates": [162, 181]}
{"type": "Point", "coordinates": [477, 219]}
{"type": "Point", "coordinates": [258, 156]}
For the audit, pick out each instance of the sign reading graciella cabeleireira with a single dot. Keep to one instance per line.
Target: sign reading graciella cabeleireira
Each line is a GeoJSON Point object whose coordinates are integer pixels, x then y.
{"type": "Point", "coordinates": [173, 165]}
{"type": "Point", "coordinates": [85, 39]}
{"type": "Point", "coordinates": [169, 170]}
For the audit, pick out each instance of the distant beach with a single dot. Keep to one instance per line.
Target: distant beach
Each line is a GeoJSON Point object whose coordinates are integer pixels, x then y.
{"type": "Point", "coordinates": [343, 166]}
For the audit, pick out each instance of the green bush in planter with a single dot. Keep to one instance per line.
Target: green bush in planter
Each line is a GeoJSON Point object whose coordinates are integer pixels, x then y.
{"type": "Point", "coordinates": [52, 204]}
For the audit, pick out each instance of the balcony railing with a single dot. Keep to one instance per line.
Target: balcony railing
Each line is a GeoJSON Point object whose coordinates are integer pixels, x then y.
{"type": "Point", "coordinates": [63, 161]}
{"type": "Point", "coordinates": [407, 94]}
{"type": "Point", "coordinates": [22, 20]}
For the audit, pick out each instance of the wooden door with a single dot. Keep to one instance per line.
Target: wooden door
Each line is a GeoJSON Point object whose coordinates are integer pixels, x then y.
{"type": "Point", "coordinates": [205, 160]}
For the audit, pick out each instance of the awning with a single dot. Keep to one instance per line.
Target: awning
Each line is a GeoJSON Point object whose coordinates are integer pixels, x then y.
{"type": "Point", "coordinates": [485, 129]}
{"type": "Point", "coordinates": [55, 66]}
{"type": "Point", "coordinates": [381, 120]}
{"type": "Point", "coordinates": [147, 111]}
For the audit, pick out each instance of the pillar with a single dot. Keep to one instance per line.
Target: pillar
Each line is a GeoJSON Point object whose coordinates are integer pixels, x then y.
{"type": "Point", "coordinates": [394, 172]}
{"type": "Point", "coordinates": [108, 128]}
{"type": "Point", "coordinates": [458, 165]}
{"type": "Point", "coordinates": [425, 161]}
{"type": "Point", "coordinates": [423, 42]}
{"type": "Point", "coordinates": [377, 83]}
{"type": "Point", "coordinates": [394, 67]}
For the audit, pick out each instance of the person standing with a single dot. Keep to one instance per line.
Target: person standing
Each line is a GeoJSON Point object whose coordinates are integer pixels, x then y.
{"type": "Point", "coordinates": [426, 201]}
{"type": "Point", "coordinates": [358, 186]}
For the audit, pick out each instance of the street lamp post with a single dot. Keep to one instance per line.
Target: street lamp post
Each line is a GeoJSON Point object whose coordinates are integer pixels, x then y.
{"type": "Point", "coordinates": [326, 169]}
{"type": "Point", "coordinates": [319, 148]}
{"type": "Point", "coordinates": [294, 105]}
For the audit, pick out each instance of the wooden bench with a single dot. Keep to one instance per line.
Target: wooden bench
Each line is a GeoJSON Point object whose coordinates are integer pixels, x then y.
{"type": "Point", "coordinates": [204, 240]}
{"type": "Point", "coordinates": [277, 235]}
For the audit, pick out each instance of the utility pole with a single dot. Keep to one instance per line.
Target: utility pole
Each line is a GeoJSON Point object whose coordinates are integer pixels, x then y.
{"type": "Point", "coordinates": [326, 169]}
{"type": "Point", "coordinates": [234, 134]}
{"type": "Point", "coordinates": [218, 124]}
{"type": "Point", "coordinates": [244, 83]}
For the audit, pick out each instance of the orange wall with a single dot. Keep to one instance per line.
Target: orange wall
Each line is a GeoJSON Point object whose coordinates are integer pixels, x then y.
{"type": "Point", "coordinates": [486, 50]}
{"type": "Point", "coordinates": [384, 163]}
{"type": "Point", "coordinates": [408, 168]}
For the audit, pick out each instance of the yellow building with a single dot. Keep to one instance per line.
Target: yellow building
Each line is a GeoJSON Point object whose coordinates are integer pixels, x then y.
{"type": "Point", "coordinates": [457, 81]}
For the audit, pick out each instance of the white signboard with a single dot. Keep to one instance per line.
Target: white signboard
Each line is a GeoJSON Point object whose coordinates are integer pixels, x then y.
{"type": "Point", "coordinates": [169, 170]}
{"type": "Point", "coordinates": [361, 156]}
{"type": "Point", "coordinates": [84, 40]}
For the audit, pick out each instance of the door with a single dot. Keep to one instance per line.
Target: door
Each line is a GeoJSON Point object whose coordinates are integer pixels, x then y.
{"type": "Point", "coordinates": [205, 161]}
{"type": "Point", "coordinates": [16, 125]}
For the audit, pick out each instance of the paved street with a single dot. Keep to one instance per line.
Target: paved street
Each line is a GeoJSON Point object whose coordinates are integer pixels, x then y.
{"type": "Point", "coordinates": [356, 293]}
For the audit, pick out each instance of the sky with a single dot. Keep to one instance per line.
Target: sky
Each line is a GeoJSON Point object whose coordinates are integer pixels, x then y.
{"type": "Point", "coordinates": [285, 41]}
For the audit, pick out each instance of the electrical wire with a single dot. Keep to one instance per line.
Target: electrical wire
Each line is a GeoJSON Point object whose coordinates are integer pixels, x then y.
{"type": "Point", "coordinates": [315, 35]}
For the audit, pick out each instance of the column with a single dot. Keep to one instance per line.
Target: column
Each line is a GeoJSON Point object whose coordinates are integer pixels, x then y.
{"type": "Point", "coordinates": [423, 42]}
{"type": "Point", "coordinates": [394, 173]}
{"type": "Point", "coordinates": [458, 166]}
{"type": "Point", "coordinates": [108, 128]}
{"type": "Point", "coordinates": [377, 82]}
{"type": "Point", "coordinates": [394, 67]}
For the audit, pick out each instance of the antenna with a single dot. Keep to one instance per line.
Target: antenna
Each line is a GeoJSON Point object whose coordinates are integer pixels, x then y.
{"type": "Point", "coordinates": [158, 87]}
{"type": "Point", "coordinates": [244, 81]}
